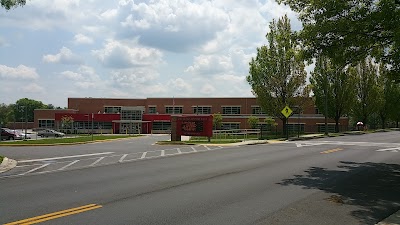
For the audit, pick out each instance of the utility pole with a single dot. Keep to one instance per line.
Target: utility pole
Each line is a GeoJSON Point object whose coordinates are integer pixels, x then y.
{"type": "Point", "coordinates": [92, 125]}
{"type": "Point", "coordinates": [326, 105]}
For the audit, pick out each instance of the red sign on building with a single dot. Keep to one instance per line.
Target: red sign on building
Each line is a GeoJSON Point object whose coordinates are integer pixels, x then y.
{"type": "Point", "coordinates": [194, 126]}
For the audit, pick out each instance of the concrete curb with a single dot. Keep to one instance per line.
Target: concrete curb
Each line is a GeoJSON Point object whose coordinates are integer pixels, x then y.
{"type": "Point", "coordinates": [394, 219]}
{"type": "Point", "coordinates": [7, 164]}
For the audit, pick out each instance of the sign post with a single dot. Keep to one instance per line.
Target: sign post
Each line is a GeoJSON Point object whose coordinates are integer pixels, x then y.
{"type": "Point", "coordinates": [286, 112]}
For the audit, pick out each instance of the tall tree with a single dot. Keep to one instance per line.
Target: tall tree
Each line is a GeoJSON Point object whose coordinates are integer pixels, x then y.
{"type": "Point", "coordinates": [277, 74]}
{"type": "Point", "coordinates": [367, 90]}
{"type": "Point", "coordinates": [353, 29]}
{"type": "Point", "coordinates": [384, 86]}
{"type": "Point", "coordinates": [332, 84]}
{"type": "Point", "coordinates": [393, 106]}
{"type": "Point", "coordinates": [25, 107]}
{"type": "Point", "coordinates": [8, 4]}
{"type": "Point", "coordinates": [6, 114]}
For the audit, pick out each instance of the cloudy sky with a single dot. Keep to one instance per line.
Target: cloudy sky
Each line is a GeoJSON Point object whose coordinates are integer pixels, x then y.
{"type": "Point", "coordinates": [51, 50]}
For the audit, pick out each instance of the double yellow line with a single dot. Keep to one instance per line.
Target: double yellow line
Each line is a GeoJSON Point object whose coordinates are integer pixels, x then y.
{"type": "Point", "coordinates": [332, 150]}
{"type": "Point", "coordinates": [55, 215]}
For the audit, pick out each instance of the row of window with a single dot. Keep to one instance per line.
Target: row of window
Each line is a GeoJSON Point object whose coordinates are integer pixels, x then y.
{"type": "Point", "coordinates": [205, 110]}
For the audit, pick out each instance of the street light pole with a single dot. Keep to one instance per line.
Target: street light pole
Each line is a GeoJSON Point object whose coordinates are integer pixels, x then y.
{"type": "Point", "coordinates": [92, 126]}
{"type": "Point", "coordinates": [26, 121]}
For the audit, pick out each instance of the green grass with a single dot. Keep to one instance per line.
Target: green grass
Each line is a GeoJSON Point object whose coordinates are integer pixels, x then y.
{"type": "Point", "coordinates": [1, 159]}
{"type": "Point", "coordinates": [67, 140]}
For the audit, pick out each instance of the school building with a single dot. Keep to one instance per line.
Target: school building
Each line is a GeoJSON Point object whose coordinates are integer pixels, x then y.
{"type": "Point", "coordinates": [153, 115]}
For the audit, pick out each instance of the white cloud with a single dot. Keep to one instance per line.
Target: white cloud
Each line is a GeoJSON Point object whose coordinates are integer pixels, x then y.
{"type": "Point", "coordinates": [180, 85]}
{"type": "Point", "coordinates": [82, 39]}
{"type": "Point", "coordinates": [207, 89]}
{"type": "Point", "coordinates": [210, 65]}
{"type": "Point", "coordinates": [33, 88]}
{"type": "Point", "coordinates": [65, 56]}
{"type": "Point", "coordinates": [116, 54]}
{"type": "Point", "coordinates": [19, 72]}
{"type": "Point", "coordinates": [176, 26]}
{"type": "Point", "coordinates": [72, 75]}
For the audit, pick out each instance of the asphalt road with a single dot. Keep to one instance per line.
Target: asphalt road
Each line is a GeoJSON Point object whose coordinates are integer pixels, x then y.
{"type": "Point", "coordinates": [344, 180]}
{"type": "Point", "coordinates": [123, 146]}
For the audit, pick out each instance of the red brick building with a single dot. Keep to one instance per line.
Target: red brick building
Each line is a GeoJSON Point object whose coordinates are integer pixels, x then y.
{"type": "Point", "coordinates": [106, 115]}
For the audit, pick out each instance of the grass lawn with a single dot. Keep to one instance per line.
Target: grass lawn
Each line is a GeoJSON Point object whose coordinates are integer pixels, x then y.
{"type": "Point", "coordinates": [67, 140]}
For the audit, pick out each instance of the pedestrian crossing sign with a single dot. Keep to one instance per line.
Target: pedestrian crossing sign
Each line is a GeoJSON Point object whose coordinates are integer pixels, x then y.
{"type": "Point", "coordinates": [286, 111]}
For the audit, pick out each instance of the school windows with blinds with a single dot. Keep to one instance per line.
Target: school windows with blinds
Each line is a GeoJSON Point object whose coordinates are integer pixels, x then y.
{"type": "Point", "coordinates": [296, 128]}
{"type": "Point", "coordinates": [174, 109]}
{"type": "Point", "coordinates": [112, 109]}
{"type": "Point", "coordinates": [201, 109]}
{"type": "Point", "coordinates": [230, 109]}
{"type": "Point", "coordinates": [230, 126]}
{"type": "Point", "coordinates": [46, 123]}
{"type": "Point", "coordinates": [161, 125]}
{"type": "Point", "coordinates": [152, 110]}
{"type": "Point", "coordinates": [256, 110]}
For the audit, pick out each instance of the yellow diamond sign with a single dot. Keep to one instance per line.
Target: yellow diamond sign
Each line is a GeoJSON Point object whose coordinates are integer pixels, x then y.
{"type": "Point", "coordinates": [286, 111]}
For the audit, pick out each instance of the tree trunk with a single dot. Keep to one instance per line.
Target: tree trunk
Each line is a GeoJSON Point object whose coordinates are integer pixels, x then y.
{"type": "Point", "coordinates": [383, 122]}
{"type": "Point", "coordinates": [337, 124]}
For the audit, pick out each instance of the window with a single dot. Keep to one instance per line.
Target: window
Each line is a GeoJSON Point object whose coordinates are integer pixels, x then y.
{"type": "Point", "coordinates": [202, 109]}
{"type": "Point", "coordinates": [321, 128]}
{"type": "Point", "coordinates": [152, 110]}
{"type": "Point", "coordinates": [231, 110]}
{"type": "Point", "coordinates": [296, 128]}
{"type": "Point", "coordinates": [112, 109]}
{"type": "Point", "coordinates": [46, 123]}
{"type": "Point", "coordinates": [161, 125]}
{"type": "Point", "coordinates": [230, 126]}
{"type": "Point", "coordinates": [173, 109]}
{"type": "Point", "coordinates": [256, 110]}
{"type": "Point", "coordinates": [131, 115]}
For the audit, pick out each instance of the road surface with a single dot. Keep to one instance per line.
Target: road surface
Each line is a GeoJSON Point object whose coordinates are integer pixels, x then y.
{"type": "Point", "coordinates": [343, 180]}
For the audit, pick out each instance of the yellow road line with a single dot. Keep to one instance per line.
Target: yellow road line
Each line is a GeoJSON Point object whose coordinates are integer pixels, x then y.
{"type": "Point", "coordinates": [331, 150]}
{"type": "Point", "coordinates": [55, 215]}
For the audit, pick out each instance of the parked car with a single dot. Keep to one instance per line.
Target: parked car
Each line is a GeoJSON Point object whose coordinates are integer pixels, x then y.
{"type": "Point", "coordinates": [8, 134]}
{"type": "Point", "coordinates": [22, 134]}
{"type": "Point", "coordinates": [50, 133]}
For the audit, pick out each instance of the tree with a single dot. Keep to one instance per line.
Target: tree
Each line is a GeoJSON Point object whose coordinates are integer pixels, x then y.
{"type": "Point", "coordinates": [393, 107]}
{"type": "Point", "coordinates": [253, 122]}
{"type": "Point", "coordinates": [6, 114]}
{"type": "Point", "coordinates": [330, 81]}
{"type": "Point", "coordinates": [66, 122]}
{"type": "Point", "coordinates": [28, 105]}
{"type": "Point", "coordinates": [217, 120]}
{"type": "Point", "coordinates": [384, 86]}
{"type": "Point", "coordinates": [277, 74]}
{"type": "Point", "coordinates": [8, 4]}
{"type": "Point", "coordinates": [351, 30]}
{"type": "Point", "coordinates": [366, 88]}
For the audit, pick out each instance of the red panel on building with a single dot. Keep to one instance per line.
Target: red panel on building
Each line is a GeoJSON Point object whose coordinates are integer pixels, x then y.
{"type": "Point", "coordinates": [195, 126]}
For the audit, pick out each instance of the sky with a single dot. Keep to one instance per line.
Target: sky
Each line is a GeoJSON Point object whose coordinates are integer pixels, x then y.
{"type": "Point", "coordinates": [51, 50]}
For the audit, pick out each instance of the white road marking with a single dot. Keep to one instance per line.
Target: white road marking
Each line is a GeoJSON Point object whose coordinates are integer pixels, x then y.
{"type": "Point", "coordinates": [389, 150]}
{"type": "Point", "coordinates": [143, 155]}
{"type": "Point", "coordinates": [122, 158]}
{"type": "Point", "coordinates": [69, 164]}
{"type": "Point", "coordinates": [194, 150]}
{"type": "Point", "coordinates": [162, 152]}
{"type": "Point", "coordinates": [37, 168]}
{"type": "Point", "coordinates": [94, 163]}
{"type": "Point", "coordinates": [63, 157]}
{"type": "Point", "coordinates": [205, 146]}
{"type": "Point", "coordinates": [179, 150]}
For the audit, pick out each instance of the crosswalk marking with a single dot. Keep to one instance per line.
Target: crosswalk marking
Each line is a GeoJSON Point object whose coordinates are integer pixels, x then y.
{"type": "Point", "coordinates": [69, 164]}
{"type": "Point", "coordinates": [332, 150]}
{"type": "Point", "coordinates": [63, 163]}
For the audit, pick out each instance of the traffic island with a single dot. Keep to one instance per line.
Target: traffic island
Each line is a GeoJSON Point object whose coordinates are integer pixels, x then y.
{"type": "Point", "coordinates": [7, 164]}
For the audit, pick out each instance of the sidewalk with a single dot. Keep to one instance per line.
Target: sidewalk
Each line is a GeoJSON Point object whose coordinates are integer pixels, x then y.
{"type": "Point", "coordinates": [391, 220]}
